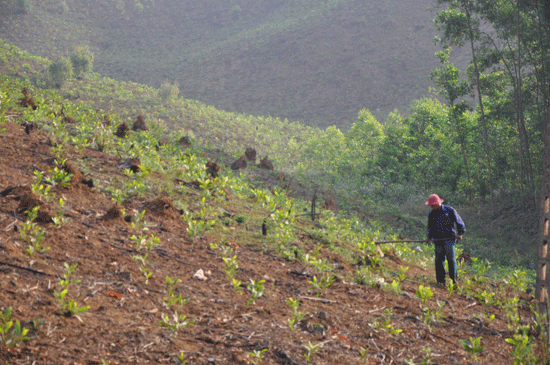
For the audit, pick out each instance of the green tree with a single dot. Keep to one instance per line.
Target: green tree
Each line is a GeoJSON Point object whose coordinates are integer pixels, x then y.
{"type": "Point", "coordinates": [25, 6]}
{"type": "Point", "coordinates": [82, 60]}
{"type": "Point", "coordinates": [458, 26]}
{"type": "Point", "coordinates": [364, 137]}
{"type": "Point", "coordinates": [168, 92]}
{"type": "Point", "coordinates": [519, 45]}
{"type": "Point", "coordinates": [60, 70]}
{"type": "Point", "coordinates": [447, 77]}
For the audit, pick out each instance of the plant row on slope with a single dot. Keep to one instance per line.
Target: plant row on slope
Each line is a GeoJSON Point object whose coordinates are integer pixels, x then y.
{"type": "Point", "coordinates": [398, 163]}
{"type": "Point", "coordinates": [162, 161]}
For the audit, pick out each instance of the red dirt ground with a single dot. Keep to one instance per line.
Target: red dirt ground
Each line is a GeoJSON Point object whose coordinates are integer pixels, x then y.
{"type": "Point", "coordinates": [122, 324]}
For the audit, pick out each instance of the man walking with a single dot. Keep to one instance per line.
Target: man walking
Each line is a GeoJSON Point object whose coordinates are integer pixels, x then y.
{"type": "Point", "coordinates": [441, 230]}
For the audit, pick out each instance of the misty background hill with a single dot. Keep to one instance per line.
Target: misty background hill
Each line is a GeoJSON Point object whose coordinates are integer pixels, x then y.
{"type": "Point", "coordinates": [315, 62]}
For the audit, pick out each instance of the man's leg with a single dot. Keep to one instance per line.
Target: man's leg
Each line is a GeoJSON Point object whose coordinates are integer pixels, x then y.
{"type": "Point", "coordinates": [451, 260]}
{"type": "Point", "coordinates": [440, 263]}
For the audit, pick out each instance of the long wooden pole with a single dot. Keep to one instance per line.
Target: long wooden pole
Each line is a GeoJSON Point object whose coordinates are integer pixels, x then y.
{"type": "Point", "coordinates": [401, 241]}
{"type": "Point", "coordinates": [378, 243]}
{"type": "Point", "coordinates": [543, 264]}
{"type": "Point", "coordinates": [414, 241]}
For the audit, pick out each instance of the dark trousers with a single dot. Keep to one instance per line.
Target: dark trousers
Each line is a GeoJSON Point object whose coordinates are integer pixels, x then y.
{"type": "Point", "coordinates": [445, 251]}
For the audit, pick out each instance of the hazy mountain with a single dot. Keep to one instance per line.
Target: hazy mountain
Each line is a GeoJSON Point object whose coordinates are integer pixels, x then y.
{"type": "Point", "coordinates": [318, 62]}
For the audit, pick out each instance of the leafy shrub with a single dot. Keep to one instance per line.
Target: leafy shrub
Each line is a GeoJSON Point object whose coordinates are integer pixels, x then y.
{"type": "Point", "coordinates": [138, 7]}
{"type": "Point", "coordinates": [61, 7]}
{"type": "Point", "coordinates": [60, 70]}
{"type": "Point", "coordinates": [25, 6]}
{"type": "Point", "coordinates": [236, 12]}
{"type": "Point", "coordinates": [17, 334]}
{"type": "Point", "coordinates": [82, 60]}
{"type": "Point", "coordinates": [168, 92]}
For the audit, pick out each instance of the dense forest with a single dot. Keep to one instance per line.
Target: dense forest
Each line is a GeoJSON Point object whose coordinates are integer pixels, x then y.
{"type": "Point", "coordinates": [485, 138]}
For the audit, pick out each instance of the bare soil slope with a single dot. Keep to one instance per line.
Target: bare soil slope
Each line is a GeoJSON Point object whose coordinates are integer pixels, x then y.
{"type": "Point", "coordinates": [122, 324]}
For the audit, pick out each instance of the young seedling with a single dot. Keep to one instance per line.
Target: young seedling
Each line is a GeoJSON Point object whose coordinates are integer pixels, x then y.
{"type": "Point", "coordinates": [171, 300]}
{"type": "Point", "coordinates": [145, 242]}
{"type": "Point", "coordinates": [72, 309]}
{"type": "Point", "coordinates": [485, 298]}
{"type": "Point", "coordinates": [297, 316]}
{"type": "Point", "coordinates": [451, 288]}
{"type": "Point", "coordinates": [195, 228]}
{"type": "Point", "coordinates": [175, 324]}
{"type": "Point", "coordinates": [364, 353]}
{"type": "Point", "coordinates": [68, 307]}
{"type": "Point", "coordinates": [365, 276]}
{"type": "Point", "coordinates": [523, 347]}
{"type": "Point", "coordinates": [320, 286]}
{"type": "Point", "coordinates": [480, 268]}
{"type": "Point", "coordinates": [311, 349]}
{"type": "Point", "coordinates": [237, 286]}
{"type": "Point", "coordinates": [385, 324]}
{"type": "Point", "coordinates": [321, 265]}
{"type": "Point", "coordinates": [181, 358]}
{"type": "Point", "coordinates": [256, 289]}
{"type": "Point", "coordinates": [540, 324]}
{"type": "Point", "coordinates": [519, 280]}
{"type": "Point", "coordinates": [135, 184]}
{"type": "Point", "coordinates": [39, 189]}
{"type": "Point", "coordinates": [388, 313]}
{"type": "Point", "coordinates": [117, 196]}
{"type": "Point", "coordinates": [144, 266]}
{"type": "Point", "coordinates": [224, 248]}
{"type": "Point", "coordinates": [59, 176]}
{"type": "Point", "coordinates": [231, 267]}
{"type": "Point", "coordinates": [257, 356]}
{"type": "Point", "coordinates": [485, 318]}
{"type": "Point", "coordinates": [31, 233]}
{"type": "Point", "coordinates": [375, 326]}
{"type": "Point", "coordinates": [366, 248]}
{"type": "Point", "coordinates": [433, 316]}
{"type": "Point", "coordinates": [402, 273]}
{"type": "Point", "coordinates": [473, 347]}
{"type": "Point", "coordinates": [428, 359]}
{"type": "Point", "coordinates": [16, 335]}
{"type": "Point", "coordinates": [139, 223]}
{"type": "Point", "coordinates": [58, 151]}
{"type": "Point", "coordinates": [424, 294]}
{"type": "Point", "coordinates": [375, 261]}
{"type": "Point", "coordinates": [36, 323]}
{"type": "Point", "coordinates": [58, 219]}
{"type": "Point", "coordinates": [394, 288]}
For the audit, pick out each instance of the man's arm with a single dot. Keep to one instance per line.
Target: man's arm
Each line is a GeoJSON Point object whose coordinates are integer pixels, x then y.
{"type": "Point", "coordinates": [461, 227]}
{"type": "Point", "coordinates": [428, 236]}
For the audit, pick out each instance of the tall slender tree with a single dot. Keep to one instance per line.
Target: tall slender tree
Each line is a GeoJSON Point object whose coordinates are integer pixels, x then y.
{"type": "Point", "coordinates": [458, 26]}
{"type": "Point", "coordinates": [509, 23]}
{"type": "Point", "coordinates": [447, 77]}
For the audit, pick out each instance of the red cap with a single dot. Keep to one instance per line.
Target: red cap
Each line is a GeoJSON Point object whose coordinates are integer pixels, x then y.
{"type": "Point", "coordinates": [434, 199]}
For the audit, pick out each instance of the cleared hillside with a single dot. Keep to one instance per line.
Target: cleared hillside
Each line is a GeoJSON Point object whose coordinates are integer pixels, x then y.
{"type": "Point", "coordinates": [318, 63]}
{"type": "Point", "coordinates": [135, 247]}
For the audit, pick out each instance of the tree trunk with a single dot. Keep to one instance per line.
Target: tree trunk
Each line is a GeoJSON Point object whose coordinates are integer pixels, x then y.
{"type": "Point", "coordinates": [480, 101]}
{"type": "Point", "coordinates": [523, 133]}
{"type": "Point", "coordinates": [463, 148]}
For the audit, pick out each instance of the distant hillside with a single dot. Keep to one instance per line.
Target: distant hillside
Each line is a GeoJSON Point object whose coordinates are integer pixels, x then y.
{"type": "Point", "coordinates": [318, 62]}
